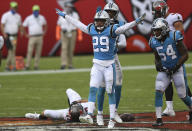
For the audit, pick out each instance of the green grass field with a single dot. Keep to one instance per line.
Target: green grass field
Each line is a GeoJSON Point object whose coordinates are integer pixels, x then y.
{"type": "Point", "coordinates": [20, 94]}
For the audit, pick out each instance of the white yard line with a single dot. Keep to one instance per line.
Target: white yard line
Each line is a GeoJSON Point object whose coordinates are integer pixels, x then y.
{"type": "Point", "coordinates": [139, 67]}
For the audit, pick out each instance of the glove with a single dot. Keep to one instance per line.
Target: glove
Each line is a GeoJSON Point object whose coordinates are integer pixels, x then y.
{"type": "Point", "coordinates": [172, 70]}
{"type": "Point", "coordinates": [98, 9]}
{"type": "Point", "coordinates": [60, 13]}
{"type": "Point", "coordinates": [140, 19]}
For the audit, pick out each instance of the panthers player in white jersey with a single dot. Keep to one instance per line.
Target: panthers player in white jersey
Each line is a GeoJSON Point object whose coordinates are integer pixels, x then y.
{"type": "Point", "coordinates": [175, 22]}
{"type": "Point", "coordinates": [170, 55]}
{"type": "Point", "coordinates": [104, 45]}
{"type": "Point", "coordinates": [68, 114]}
{"type": "Point", "coordinates": [112, 9]}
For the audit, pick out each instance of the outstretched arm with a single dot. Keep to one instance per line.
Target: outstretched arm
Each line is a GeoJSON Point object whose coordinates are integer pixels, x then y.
{"type": "Point", "coordinates": [130, 25]}
{"type": "Point", "coordinates": [73, 21]}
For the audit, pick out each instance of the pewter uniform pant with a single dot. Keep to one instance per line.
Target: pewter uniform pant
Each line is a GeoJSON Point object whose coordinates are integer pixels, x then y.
{"type": "Point", "coordinates": [35, 42]}
{"type": "Point", "coordinates": [68, 40]}
{"type": "Point", "coordinates": [162, 82]}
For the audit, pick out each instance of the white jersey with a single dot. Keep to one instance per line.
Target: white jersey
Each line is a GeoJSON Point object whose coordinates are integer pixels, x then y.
{"type": "Point", "coordinates": [35, 24]}
{"type": "Point", "coordinates": [11, 22]}
{"type": "Point", "coordinates": [172, 18]}
{"type": "Point", "coordinates": [64, 113]}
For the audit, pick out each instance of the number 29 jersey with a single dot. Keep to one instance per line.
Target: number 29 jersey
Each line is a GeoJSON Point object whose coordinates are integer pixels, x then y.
{"type": "Point", "coordinates": [104, 43]}
{"type": "Point", "coordinates": [167, 49]}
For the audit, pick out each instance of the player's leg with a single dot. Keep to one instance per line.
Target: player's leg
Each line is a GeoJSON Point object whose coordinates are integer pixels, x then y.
{"type": "Point", "coordinates": [39, 44]}
{"type": "Point", "coordinates": [100, 102]}
{"type": "Point", "coordinates": [118, 86]}
{"type": "Point", "coordinates": [186, 82]}
{"type": "Point", "coordinates": [162, 81]}
{"type": "Point", "coordinates": [72, 95]}
{"type": "Point", "coordinates": [29, 52]}
{"type": "Point", "coordinates": [95, 82]}
{"type": "Point", "coordinates": [169, 101]}
{"type": "Point", "coordinates": [110, 79]}
{"type": "Point", "coordinates": [179, 82]}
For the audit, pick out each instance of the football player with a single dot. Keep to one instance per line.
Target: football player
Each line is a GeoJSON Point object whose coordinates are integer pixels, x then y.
{"type": "Point", "coordinates": [175, 22]}
{"type": "Point", "coordinates": [170, 55]}
{"type": "Point", "coordinates": [112, 9]}
{"type": "Point", "coordinates": [77, 107]}
{"type": "Point", "coordinates": [104, 45]}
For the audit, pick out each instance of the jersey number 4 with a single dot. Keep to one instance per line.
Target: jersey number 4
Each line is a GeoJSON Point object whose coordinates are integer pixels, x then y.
{"type": "Point", "coordinates": [100, 44]}
{"type": "Point", "coordinates": [169, 52]}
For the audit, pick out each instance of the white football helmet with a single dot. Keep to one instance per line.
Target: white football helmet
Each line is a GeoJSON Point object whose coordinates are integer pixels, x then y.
{"type": "Point", "coordinates": [1, 42]}
{"type": "Point", "coordinates": [161, 25]}
{"type": "Point", "coordinates": [101, 16]}
{"type": "Point", "coordinates": [112, 7]}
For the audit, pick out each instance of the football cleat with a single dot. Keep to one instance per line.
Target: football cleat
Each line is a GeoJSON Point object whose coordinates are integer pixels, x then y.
{"type": "Point", "coordinates": [111, 123]}
{"type": "Point", "coordinates": [117, 118]}
{"type": "Point", "coordinates": [168, 112]}
{"type": "Point", "coordinates": [159, 122]}
{"type": "Point", "coordinates": [86, 119]}
{"type": "Point", "coordinates": [100, 121]}
{"type": "Point", "coordinates": [32, 115]}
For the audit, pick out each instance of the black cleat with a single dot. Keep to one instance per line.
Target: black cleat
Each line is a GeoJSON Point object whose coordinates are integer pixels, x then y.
{"type": "Point", "coordinates": [159, 122]}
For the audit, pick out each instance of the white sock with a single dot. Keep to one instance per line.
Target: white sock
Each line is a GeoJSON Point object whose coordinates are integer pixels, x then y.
{"type": "Point", "coordinates": [112, 111]}
{"type": "Point", "coordinates": [169, 104]}
{"type": "Point", "coordinates": [100, 112]}
{"type": "Point", "coordinates": [91, 107]}
{"type": "Point", "coordinates": [158, 112]}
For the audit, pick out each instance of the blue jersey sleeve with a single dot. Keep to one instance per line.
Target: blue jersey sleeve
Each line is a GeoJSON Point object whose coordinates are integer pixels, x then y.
{"type": "Point", "coordinates": [178, 36]}
{"type": "Point", "coordinates": [113, 29]}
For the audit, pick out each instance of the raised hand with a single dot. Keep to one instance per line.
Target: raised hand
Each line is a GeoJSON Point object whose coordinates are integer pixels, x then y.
{"type": "Point", "coordinates": [140, 19]}
{"type": "Point", "coordinates": [60, 13]}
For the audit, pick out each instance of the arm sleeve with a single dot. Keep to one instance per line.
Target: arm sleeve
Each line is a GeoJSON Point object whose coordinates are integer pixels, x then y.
{"type": "Point", "coordinates": [122, 41]}
{"type": "Point", "coordinates": [3, 19]}
{"type": "Point", "coordinates": [77, 24]}
{"type": "Point", "coordinates": [125, 27]}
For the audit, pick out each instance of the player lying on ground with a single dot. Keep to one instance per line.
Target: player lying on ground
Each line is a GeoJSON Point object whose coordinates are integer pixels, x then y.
{"type": "Point", "coordinates": [77, 107]}
{"type": "Point", "coordinates": [170, 55]}
{"type": "Point", "coordinates": [104, 45]}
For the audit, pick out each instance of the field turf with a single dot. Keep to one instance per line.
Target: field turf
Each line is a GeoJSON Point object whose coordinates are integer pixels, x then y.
{"type": "Point", "coordinates": [20, 94]}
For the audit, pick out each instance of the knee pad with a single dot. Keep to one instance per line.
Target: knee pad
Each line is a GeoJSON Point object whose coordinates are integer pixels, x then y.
{"type": "Point", "coordinates": [181, 91]}
{"type": "Point", "coordinates": [160, 86]}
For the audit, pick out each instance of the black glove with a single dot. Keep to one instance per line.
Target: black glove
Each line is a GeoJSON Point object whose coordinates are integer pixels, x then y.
{"type": "Point", "coordinates": [173, 70]}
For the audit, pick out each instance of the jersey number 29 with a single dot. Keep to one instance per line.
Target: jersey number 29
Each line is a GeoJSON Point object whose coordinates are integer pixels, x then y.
{"type": "Point", "coordinates": [100, 44]}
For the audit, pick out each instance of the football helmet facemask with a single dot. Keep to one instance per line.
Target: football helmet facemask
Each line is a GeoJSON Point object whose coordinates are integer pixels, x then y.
{"type": "Point", "coordinates": [160, 28]}
{"type": "Point", "coordinates": [112, 9]}
{"type": "Point", "coordinates": [159, 9]}
{"type": "Point", "coordinates": [101, 20]}
{"type": "Point", "coordinates": [75, 110]}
